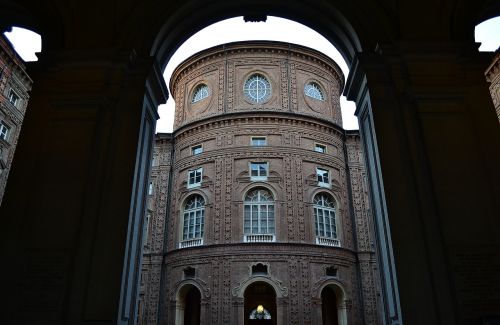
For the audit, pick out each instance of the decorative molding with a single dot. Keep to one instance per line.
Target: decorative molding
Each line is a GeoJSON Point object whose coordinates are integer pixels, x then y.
{"type": "Point", "coordinates": [281, 291]}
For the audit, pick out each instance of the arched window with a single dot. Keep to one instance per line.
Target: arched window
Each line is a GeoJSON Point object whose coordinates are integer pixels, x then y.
{"type": "Point", "coordinates": [324, 220]}
{"type": "Point", "coordinates": [257, 89]}
{"type": "Point", "coordinates": [193, 221]}
{"type": "Point", "coordinates": [259, 216]}
{"type": "Point", "coordinates": [313, 90]}
{"type": "Point", "coordinates": [200, 92]}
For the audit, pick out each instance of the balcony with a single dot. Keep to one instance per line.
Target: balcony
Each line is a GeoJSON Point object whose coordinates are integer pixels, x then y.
{"type": "Point", "coordinates": [191, 243]}
{"type": "Point", "coordinates": [328, 241]}
{"type": "Point", "coordinates": [259, 238]}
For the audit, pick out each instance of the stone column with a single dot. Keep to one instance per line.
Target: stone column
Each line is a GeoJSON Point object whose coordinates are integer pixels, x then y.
{"type": "Point", "coordinates": [431, 136]}
{"type": "Point", "coordinates": [76, 194]}
{"type": "Point", "coordinates": [342, 312]}
{"type": "Point", "coordinates": [176, 313]}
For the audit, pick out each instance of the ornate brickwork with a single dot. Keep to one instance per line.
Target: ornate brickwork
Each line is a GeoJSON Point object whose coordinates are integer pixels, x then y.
{"type": "Point", "coordinates": [218, 200]}
{"type": "Point", "coordinates": [292, 254]}
{"type": "Point", "coordinates": [493, 77]}
{"type": "Point", "coordinates": [285, 83]}
{"type": "Point", "coordinates": [14, 87]}
{"type": "Point", "coordinates": [155, 230]}
{"type": "Point", "coordinates": [216, 291]}
{"type": "Point", "coordinates": [294, 292]}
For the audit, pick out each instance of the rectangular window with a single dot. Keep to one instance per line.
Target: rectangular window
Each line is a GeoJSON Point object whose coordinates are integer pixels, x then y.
{"type": "Point", "coordinates": [196, 150]}
{"type": "Point", "coordinates": [13, 98]}
{"type": "Point", "coordinates": [320, 148]}
{"type": "Point", "coordinates": [258, 141]}
{"type": "Point", "coordinates": [150, 188]}
{"type": "Point", "coordinates": [259, 170]}
{"type": "Point", "coordinates": [4, 131]}
{"type": "Point", "coordinates": [146, 229]}
{"type": "Point", "coordinates": [194, 177]}
{"type": "Point", "coordinates": [323, 177]}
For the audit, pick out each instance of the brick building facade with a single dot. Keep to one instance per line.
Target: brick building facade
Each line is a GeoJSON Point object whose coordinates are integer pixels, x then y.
{"type": "Point", "coordinates": [259, 197]}
{"type": "Point", "coordinates": [14, 86]}
{"type": "Point", "coordinates": [493, 77]}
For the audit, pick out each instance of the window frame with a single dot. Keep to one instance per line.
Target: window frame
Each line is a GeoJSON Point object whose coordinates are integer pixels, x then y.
{"type": "Point", "coordinates": [17, 100]}
{"type": "Point", "coordinates": [193, 148]}
{"type": "Point", "coordinates": [317, 87]}
{"type": "Point", "coordinates": [195, 176]}
{"type": "Point", "coordinates": [151, 188]}
{"type": "Point", "coordinates": [198, 88]}
{"type": "Point", "coordinates": [319, 145]}
{"type": "Point", "coordinates": [189, 215]}
{"type": "Point", "coordinates": [258, 177]}
{"type": "Point", "coordinates": [268, 89]}
{"type": "Point", "coordinates": [256, 138]}
{"type": "Point", "coordinates": [4, 131]}
{"type": "Point", "coordinates": [145, 232]}
{"type": "Point", "coordinates": [329, 217]}
{"type": "Point", "coordinates": [268, 213]}
{"type": "Point", "coordinates": [320, 178]}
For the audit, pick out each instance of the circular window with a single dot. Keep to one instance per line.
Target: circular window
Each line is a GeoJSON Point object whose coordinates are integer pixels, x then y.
{"type": "Point", "coordinates": [313, 90]}
{"type": "Point", "coordinates": [257, 88]}
{"type": "Point", "coordinates": [200, 92]}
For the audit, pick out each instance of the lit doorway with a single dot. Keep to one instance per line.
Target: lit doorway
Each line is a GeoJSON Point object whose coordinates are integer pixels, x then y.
{"type": "Point", "coordinates": [260, 304]}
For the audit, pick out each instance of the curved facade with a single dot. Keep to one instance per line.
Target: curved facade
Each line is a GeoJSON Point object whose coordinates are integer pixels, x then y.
{"type": "Point", "coordinates": [269, 202]}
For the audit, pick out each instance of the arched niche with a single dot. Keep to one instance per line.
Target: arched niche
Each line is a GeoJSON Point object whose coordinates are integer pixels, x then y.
{"type": "Point", "coordinates": [188, 304]}
{"type": "Point", "coordinates": [332, 295]}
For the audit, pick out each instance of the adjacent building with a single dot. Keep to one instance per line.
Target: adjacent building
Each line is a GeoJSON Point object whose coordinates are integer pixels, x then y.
{"type": "Point", "coordinates": [493, 77]}
{"type": "Point", "coordinates": [14, 87]}
{"type": "Point", "coordinates": [259, 210]}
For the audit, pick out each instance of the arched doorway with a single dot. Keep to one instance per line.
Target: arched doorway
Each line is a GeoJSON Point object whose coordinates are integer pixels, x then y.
{"type": "Point", "coordinates": [333, 304]}
{"type": "Point", "coordinates": [260, 304]}
{"type": "Point", "coordinates": [188, 309]}
{"type": "Point", "coordinates": [329, 304]}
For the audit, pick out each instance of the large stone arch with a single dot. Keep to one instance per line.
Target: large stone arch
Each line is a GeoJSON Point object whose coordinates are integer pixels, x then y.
{"type": "Point", "coordinates": [418, 111]}
{"type": "Point", "coordinates": [336, 27]}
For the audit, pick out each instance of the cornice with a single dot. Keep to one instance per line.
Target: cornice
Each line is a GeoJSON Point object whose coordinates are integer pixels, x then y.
{"type": "Point", "coordinates": [256, 117]}
{"type": "Point", "coordinates": [272, 249]}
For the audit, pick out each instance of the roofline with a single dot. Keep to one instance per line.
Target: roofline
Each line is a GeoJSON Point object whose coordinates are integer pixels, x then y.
{"type": "Point", "coordinates": [163, 136]}
{"type": "Point", "coordinates": [223, 48]}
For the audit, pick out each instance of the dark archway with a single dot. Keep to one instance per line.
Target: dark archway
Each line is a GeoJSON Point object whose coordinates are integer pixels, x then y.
{"type": "Point", "coordinates": [260, 304]}
{"type": "Point", "coordinates": [192, 307]}
{"type": "Point", "coordinates": [329, 307]}
{"type": "Point", "coordinates": [188, 305]}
